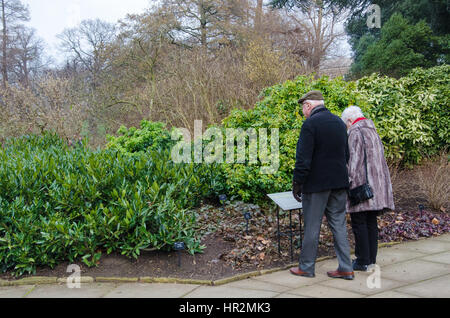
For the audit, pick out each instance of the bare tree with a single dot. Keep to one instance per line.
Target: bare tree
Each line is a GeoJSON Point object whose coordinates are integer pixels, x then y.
{"type": "Point", "coordinates": [259, 15]}
{"type": "Point", "coordinates": [27, 54]}
{"type": "Point", "coordinates": [87, 44]}
{"type": "Point", "coordinates": [205, 22]}
{"type": "Point", "coordinates": [12, 12]}
{"type": "Point", "coordinates": [311, 31]}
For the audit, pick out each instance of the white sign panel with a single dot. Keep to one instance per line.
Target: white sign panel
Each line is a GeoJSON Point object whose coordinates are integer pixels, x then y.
{"type": "Point", "coordinates": [286, 201]}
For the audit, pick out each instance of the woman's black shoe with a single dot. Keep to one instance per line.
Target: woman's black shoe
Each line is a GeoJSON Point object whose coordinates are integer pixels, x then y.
{"type": "Point", "coordinates": [358, 267]}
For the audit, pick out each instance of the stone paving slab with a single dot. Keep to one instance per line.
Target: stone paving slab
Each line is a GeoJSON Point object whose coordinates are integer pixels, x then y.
{"type": "Point", "coordinates": [287, 295]}
{"type": "Point", "coordinates": [429, 246]}
{"type": "Point", "coordinates": [285, 278]}
{"type": "Point", "coordinates": [319, 291]}
{"type": "Point", "coordinates": [229, 292]}
{"type": "Point", "coordinates": [133, 290]}
{"type": "Point", "coordinates": [360, 286]}
{"type": "Point", "coordinates": [414, 271]}
{"type": "Point", "coordinates": [258, 285]}
{"type": "Point", "coordinates": [433, 288]}
{"type": "Point", "coordinates": [439, 258]}
{"type": "Point", "coordinates": [392, 294]}
{"type": "Point", "coordinates": [445, 238]}
{"type": "Point", "coordinates": [395, 254]}
{"type": "Point", "coordinates": [96, 290]}
{"type": "Point", "coordinates": [15, 291]}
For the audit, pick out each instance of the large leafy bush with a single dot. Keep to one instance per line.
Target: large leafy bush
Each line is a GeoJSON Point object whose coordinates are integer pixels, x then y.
{"type": "Point", "coordinates": [411, 115]}
{"type": "Point", "coordinates": [151, 136]}
{"type": "Point", "coordinates": [59, 203]}
{"type": "Point", "coordinates": [279, 109]}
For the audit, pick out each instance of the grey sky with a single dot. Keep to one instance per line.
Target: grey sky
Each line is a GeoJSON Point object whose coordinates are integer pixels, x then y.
{"type": "Point", "coordinates": [51, 17]}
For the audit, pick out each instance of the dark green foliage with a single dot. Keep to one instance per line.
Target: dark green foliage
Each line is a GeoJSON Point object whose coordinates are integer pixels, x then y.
{"type": "Point", "coordinates": [434, 14]}
{"type": "Point", "coordinates": [59, 203]}
{"type": "Point", "coordinates": [280, 109]}
{"type": "Point", "coordinates": [151, 136]}
{"type": "Point", "coordinates": [411, 115]}
{"type": "Point", "coordinates": [401, 48]}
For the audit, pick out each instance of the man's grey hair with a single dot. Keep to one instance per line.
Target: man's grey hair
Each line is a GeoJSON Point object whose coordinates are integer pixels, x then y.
{"type": "Point", "coordinates": [315, 103]}
{"type": "Point", "coordinates": [352, 113]}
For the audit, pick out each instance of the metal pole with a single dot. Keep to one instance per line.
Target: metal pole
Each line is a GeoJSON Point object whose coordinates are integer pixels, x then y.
{"type": "Point", "coordinates": [291, 234]}
{"type": "Point", "coordinates": [300, 221]}
{"type": "Point", "coordinates": [278, 232]}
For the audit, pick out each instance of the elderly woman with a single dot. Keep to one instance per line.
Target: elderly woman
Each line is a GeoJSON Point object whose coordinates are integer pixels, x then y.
{"type": "Point", "coordinates": [362, 134]}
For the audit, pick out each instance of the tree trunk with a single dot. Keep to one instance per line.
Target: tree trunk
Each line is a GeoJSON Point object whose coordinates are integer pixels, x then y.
{"type": "Point", "coordinates": [203, 23]}
{"type": "Point", "coordinates": [26, 75]}
{"type": "Point", "coordinates": [317, 51]}
{"type": "Point", "coordinates": [4, 47]}
{"type": "Point", "coordinates": [259, 15]}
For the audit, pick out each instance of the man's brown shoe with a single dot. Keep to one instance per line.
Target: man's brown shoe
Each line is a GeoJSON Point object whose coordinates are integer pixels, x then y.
{"type": "Point", "coordinates": [297, 271]}
{"type": "Point", "coordinates": [344, 275]}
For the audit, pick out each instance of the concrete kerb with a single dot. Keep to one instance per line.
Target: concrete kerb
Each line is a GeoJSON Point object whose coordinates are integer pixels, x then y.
{"type": "Point", "coordinates": [38, 280]}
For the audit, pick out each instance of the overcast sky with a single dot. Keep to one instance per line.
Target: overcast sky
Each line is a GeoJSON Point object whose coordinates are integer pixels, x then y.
{"type": "Point", "coordinates": [51, 17]}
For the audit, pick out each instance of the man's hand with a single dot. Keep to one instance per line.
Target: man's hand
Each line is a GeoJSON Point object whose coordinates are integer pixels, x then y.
{"type": "Point", "coordinates": [297, 191]}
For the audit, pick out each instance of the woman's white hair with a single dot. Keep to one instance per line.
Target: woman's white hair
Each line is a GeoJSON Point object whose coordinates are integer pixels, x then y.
{"type": "Point", "coordinates": [352, 113]}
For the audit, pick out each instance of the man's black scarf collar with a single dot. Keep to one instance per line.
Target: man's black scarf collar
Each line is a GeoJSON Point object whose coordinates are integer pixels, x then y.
{"type": "Point", "coordinates": [318, 109]}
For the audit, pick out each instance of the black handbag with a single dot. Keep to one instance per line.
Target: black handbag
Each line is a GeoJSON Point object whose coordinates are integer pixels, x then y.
{"type": "Point", "coordinates": [363, 192]}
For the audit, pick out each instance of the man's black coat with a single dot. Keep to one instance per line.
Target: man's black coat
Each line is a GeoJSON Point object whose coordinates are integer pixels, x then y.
{"type": "Point", "coordinates": [322, 153]}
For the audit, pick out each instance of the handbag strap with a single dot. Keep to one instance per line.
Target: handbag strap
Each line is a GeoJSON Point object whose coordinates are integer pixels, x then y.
{"type": "Point", "coordinates": [365, 155]}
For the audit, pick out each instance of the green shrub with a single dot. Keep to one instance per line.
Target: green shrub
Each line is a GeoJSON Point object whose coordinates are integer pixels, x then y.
{"type": "Point", "coordinates": [151, 136]}
{"type": "Point", "coordinates": [280, 109]}
{"type": "Point", "coordinates": [59, 203]}
{"type": "Point", "coordinates": [411, 115]}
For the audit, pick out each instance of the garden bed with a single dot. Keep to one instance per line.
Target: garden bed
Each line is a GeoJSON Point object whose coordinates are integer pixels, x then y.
{"type": "Point", "coordinates": [230, 250]}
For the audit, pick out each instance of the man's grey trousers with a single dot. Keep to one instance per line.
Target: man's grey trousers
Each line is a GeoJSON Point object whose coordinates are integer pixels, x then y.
{"type": "Point", "coordinates": [332, 203]}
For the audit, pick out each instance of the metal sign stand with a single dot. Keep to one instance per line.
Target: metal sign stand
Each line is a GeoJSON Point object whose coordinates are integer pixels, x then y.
{"type": "Point", "coordinates": [287, 202]}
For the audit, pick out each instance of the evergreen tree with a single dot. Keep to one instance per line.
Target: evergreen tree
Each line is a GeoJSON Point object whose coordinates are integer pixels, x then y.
{"type": "Point", "coordinates": [402, 47]}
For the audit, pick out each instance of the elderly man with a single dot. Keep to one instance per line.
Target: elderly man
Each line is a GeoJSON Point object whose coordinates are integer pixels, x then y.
{"type": "Point", "coordinates": [320, 182]}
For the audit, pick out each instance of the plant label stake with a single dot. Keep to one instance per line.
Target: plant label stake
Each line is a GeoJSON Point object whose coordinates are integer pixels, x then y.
{"type": "Point", "coordinates": [247, 217]}
{"type": "Point", "coordinates": [222, 199]}
{"type": "Point", "coordinates": [421, 208]}
{"type": "Point", "coordinates": [179, 246]}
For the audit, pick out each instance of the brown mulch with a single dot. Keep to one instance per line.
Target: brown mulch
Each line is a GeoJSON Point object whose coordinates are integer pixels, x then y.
{"type": "Point", "coordinates": [230, 250]}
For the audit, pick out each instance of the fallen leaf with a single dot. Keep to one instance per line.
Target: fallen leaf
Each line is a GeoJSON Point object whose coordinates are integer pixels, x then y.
{"type": "Point", "coordinates": [435, 221]}
{"type": "Point", "coordinates": [261, 256]}
{"type": "Point", "coordinates": [442, 209]}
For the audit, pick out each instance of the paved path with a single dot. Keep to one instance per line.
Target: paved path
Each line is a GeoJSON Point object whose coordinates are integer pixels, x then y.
{"type": "Point", "coordinates": [413, 269]}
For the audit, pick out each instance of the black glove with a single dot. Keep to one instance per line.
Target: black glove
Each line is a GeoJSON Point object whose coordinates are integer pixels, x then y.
{"type": "Point", "coordinates": [297, 191]}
